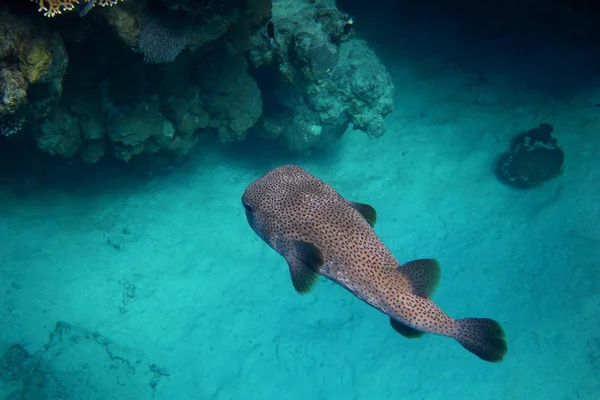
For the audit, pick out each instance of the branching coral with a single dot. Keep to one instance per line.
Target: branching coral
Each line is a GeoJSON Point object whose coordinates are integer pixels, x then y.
{"type": "Point", "coordinates": [53, 7]}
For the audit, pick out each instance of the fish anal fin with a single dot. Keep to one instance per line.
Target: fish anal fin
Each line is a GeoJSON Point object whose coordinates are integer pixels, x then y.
{"type": "Point", "coordinates": [367, 211]}
{"type": "Point", "coordinates": [405, 330]}
{"type": "Point", "coordinates": [424, 276]}
{"type": "Point", "coordinates": [304, 259]}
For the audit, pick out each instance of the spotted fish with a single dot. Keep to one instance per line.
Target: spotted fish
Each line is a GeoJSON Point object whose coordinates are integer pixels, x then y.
{"type": "Point", "coordinates": [318, 232]}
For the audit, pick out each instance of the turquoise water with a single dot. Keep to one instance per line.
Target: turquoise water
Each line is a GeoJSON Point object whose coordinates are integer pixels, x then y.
{"type": "Point", "coordinates": [161, 290]}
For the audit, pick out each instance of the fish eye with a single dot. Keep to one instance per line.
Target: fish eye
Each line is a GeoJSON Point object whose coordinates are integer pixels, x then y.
{"type": "Point", "coordinates": [247, 206]}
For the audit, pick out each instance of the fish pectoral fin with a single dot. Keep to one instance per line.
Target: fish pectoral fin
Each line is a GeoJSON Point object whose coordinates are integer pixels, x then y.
{"type": "Point", "coordinates": [405, 330]}
{"type": "Point", "coordinates": [304, 259]}
{"type": "Point", "coordinates": [424, 276]}
{"type": "Point", "coordinates": [367, 211]}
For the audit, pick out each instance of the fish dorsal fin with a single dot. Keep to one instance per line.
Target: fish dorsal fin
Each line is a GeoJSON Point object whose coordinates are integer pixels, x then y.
{"type": "Point", "coordinates": [405, 330]}
{"type": "Point", "coordinates": [304, 259]}
{"type": "Point", "coordinates": [424, 276]}
{"type": "Point", "coordinates": [367, 211]}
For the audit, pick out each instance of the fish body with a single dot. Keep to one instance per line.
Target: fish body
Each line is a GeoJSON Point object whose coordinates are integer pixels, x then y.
{"type": "Point", "coordinates": [86, 9]}
{"type": "Point", "coordinates": [348, 25]}
{"type": "Point", "coordinates": [319, 232]}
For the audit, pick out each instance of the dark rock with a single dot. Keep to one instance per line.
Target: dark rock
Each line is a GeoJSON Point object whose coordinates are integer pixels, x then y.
{"type": "Point", "coordinates": [534, 158]}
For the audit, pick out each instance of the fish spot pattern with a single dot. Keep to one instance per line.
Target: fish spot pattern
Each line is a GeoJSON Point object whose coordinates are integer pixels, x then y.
{"type": "Point", "coordinates": [290, 202]}
{"type": "Point", "coordinates": [288, 206]}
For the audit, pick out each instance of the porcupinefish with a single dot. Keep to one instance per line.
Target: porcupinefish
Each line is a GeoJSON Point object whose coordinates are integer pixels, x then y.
{"type": "Point", "coordinates": [318, 232]}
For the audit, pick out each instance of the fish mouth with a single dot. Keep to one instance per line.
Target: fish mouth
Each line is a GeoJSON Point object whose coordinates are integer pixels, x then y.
{"type": "Point", "coordinates": [248, 211]}
{"type": "Point", "coordinates": [247, 206]}
{"type": "Point", "coordinates": [250, 218]}
{"type": "Point", "coordinates": [252, 222]}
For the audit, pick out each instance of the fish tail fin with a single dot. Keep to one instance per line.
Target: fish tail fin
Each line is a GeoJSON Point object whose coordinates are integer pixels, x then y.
{"type": "Point", "coordinates": [483, 337]}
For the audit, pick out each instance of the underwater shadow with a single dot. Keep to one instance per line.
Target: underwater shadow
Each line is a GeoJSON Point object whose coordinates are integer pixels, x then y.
{"type": "Point", "coordinates": [260, 154]}
{"type": "Point", "coordinates": [25, 170]}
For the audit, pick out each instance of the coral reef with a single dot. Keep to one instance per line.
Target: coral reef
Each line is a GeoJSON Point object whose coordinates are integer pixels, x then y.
{"type": "Point", "coordinates": [534, 158]}
{"type": "Point", "coordinates": [166, 72]}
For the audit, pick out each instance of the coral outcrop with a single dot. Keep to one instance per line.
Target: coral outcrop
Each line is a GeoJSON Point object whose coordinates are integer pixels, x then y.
{"type": "Point", "coordinates": [534, 158]}
{"type": "Point", "coordinates": [33, 61]}
{"type": "Point", "coordinates": [149, 75]}
{"type": "Point", "coordinates": [230, 95]}
{"type": "Point", "coordinates": [326, 79]}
